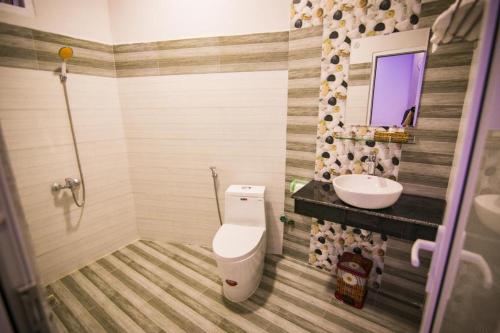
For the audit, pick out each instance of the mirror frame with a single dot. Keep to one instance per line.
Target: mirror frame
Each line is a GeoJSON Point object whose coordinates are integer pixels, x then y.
{"type": "Point", "coordinates": [365, 50]}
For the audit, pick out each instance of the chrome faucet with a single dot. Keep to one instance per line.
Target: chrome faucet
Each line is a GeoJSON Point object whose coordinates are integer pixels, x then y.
{"type": "Point", "coordinates": [372, 164]}
{"type": "Point", "coordinates": [71, 183]}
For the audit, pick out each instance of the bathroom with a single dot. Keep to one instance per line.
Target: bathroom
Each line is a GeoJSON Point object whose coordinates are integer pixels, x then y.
{"type": "Point", "coordinates": [207, 166]}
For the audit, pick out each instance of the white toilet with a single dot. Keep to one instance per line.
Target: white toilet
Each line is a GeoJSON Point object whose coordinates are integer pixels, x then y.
{"type": "Point", "coordinates": [240, 243]}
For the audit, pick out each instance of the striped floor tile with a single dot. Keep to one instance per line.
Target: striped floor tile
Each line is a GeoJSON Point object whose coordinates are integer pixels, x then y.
{"type": "Point", "coordinates": [165, 287]}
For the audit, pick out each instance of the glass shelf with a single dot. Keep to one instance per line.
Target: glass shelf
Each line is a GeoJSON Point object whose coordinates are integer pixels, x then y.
{"type": "Point", "coordinates": [411, 139]}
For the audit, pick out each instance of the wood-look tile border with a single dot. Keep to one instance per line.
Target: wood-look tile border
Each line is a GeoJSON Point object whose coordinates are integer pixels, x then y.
{"type": "Point", "coordinates": [304, 57]}
{"type": "Point", "coordinates": [315, 31]}
{"type": "Point", "coordinates": [232, 54]}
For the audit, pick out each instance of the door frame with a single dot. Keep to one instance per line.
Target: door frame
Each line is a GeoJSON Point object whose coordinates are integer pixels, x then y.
{"type": "Point", "coordinates": [471, 139]}
{"type": "Point", "coordinates": [21, 296]}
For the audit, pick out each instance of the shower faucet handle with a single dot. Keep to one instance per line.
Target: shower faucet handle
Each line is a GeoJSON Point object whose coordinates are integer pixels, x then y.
{"type": "Point", "coordinates": [70, 183]}
{"type": "Point", "coordinates": [56, 187]}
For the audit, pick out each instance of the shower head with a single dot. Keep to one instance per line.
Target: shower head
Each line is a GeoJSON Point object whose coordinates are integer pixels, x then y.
{"type": "Point", "coordinates": [65, 53]}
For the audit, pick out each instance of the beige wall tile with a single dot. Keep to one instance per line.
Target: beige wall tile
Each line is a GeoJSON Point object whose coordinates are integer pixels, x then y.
{"type": "Point", "coordinates": [38, 139]}
{"type": "Point", "coordinates": [235, 121]}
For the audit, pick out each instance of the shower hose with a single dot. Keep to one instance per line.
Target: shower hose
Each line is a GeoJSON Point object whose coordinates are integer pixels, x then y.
{"type": "Point", "coordinates": [214, 177]}
{"type": "Point", "coordinates": [75, 146]}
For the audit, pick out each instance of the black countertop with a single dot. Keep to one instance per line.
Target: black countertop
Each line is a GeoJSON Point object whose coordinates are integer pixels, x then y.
{"type": "Point", "coordinates": [412, 216]}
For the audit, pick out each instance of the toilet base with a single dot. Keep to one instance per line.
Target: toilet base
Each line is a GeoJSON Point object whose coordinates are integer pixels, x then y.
{"type": "Point", "coordinates": [239, 300]}
{"type": "Point", "coordinates": [246, 273]}
{"type": "Point", "coordinates": [241, 279]}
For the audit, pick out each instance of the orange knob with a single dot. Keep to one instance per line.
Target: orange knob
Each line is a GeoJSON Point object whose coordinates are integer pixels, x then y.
{"type": "Point", "coordinates": [65, 53]}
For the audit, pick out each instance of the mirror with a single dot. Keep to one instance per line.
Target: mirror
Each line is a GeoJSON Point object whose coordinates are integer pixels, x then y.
{"type": "Point", "coordinates": [395, 89]}
{"type": "Point", "coordinates": [385, 79]}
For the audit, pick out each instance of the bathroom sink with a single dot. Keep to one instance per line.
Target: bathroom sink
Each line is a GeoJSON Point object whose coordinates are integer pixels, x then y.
{"type": "Point", "coordinates": [487, 207]}
{"type": "Point", "coordinates": [364, 191]}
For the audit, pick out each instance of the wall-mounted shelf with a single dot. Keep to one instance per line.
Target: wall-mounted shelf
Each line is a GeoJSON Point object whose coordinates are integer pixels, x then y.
{"type": "Point", "coordinates": [411, 139]}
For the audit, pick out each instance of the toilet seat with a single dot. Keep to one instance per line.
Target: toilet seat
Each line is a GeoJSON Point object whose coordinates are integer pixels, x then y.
{"type": "Point", "coordinates": [236, 242]}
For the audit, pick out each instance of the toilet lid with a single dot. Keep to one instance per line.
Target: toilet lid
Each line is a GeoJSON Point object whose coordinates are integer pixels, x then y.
{"type": "Point", "coordinates": [236, 242]}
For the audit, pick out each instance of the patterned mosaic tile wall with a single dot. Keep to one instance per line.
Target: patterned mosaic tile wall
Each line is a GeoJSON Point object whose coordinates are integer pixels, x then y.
{"type": "Point", "coordinates": [329, 240]}
{"type": "Point", "coordinates": [424, 167]}
{"type": "Point", "coordinates": [343, 21]}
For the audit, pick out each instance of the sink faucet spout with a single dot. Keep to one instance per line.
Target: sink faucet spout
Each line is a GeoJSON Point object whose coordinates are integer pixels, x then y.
{"type": "Point", "coordinates": [372, 164]}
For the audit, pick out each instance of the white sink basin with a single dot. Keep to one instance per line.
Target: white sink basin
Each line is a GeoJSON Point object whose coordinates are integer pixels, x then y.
{"type": "Point", "coordinates": [487, 207]}
{"type": "Point", "coordinates": [370, 192]}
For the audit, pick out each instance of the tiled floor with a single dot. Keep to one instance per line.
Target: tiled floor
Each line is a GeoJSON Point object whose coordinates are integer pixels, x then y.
{"type": "Point", "coordinates": [164, 287]}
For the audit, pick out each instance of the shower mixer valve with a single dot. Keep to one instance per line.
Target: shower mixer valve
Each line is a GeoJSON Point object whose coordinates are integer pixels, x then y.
{"type": "Point", "coordinates": [70, 183]}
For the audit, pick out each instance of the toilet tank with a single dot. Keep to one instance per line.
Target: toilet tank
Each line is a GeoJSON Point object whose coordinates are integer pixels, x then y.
{"type": "Point", "coordinates": [244, 205]}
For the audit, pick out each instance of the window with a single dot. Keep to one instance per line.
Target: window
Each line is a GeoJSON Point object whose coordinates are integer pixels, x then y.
{"type": "Point", "coordinates": [18, 3]}
{"type": "Point", "coordinates": [19, 7]}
